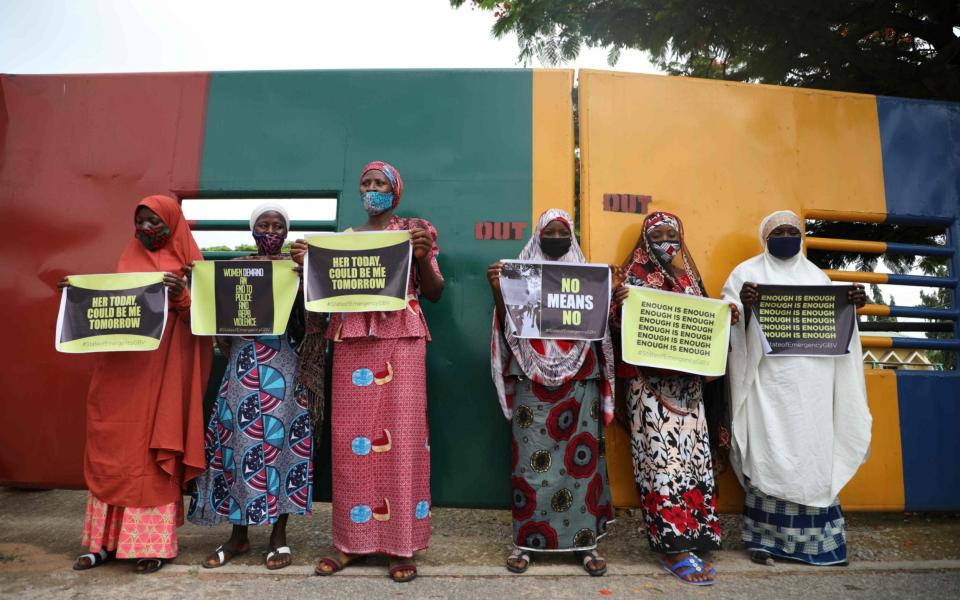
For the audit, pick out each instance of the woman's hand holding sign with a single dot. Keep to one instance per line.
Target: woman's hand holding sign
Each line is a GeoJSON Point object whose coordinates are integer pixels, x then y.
{"type": "Point", "coordinates": [63, 283]}
{"type": "Point", "coordinates": [749, 294]}
{"type": "Point", "coordinates": [857, 296]}
{"type": "Point", "coordinates": [175, 284]}
{"type": "Point", "coordinates": [298, 249]}
{"type": "Point", "coordinates": [422, 243]}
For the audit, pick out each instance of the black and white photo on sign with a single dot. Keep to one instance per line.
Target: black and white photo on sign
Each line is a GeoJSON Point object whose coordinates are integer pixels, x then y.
{"type": "Point", "coordinates": [520, 286]}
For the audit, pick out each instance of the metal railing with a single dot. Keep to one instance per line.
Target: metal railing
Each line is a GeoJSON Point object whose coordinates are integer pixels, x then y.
{"type": "Point", "coordinates": [949, 250]}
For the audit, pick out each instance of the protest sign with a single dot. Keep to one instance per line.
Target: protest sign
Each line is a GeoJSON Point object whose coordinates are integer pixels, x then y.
{"type": "Point", "coordinates": [804, 320]}
{"type": "Point", "coordinates": [673, 331]}
{"type": "Point", "coordinates": [242, 297]}
{"type": "Point", "coordinates": [357, 271]}
{"type": "Point", "coordinates": [554, 300]}
{"type": "Point", "coordinates": [115, 312]}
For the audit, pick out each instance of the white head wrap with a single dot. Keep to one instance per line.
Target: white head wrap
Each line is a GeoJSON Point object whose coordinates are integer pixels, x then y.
{"type": "Point", "coordinates": [776, 219]}
{"type": "Point", "coordinates": [268, 207]}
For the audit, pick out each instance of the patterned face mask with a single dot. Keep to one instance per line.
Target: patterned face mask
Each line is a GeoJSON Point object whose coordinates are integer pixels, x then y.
{"type": "Point", "coordinates": [154, 239]}
{"type": "Point", "coordinates": [665, 251]}
{"type": "Point", "coordinates": [269, 244]}
{"type": "Point", "coordinates": [376, 203]}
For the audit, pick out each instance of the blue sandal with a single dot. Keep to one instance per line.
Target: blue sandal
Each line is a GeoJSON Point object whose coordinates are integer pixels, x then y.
{"type": "Point", "coordinates": [688, 566]}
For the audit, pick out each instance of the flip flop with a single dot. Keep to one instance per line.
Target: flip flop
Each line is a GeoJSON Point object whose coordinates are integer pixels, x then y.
{"type": "Point", "coordinates": [96, 559]}
{"type": "Point", "coordinates": [521, 555]}
{"type": "Point", "coordinates": [592, 557]}
{"type": "Point", "coordinates": [761, 557]}
{"type": "Point", "coordinates": [275, 553]}
{"type": "Point", "coordinates": [686, 567]}
{"type": "Point", "coordinates": [402, 564]}
{"type": "Point", "coordinates": [223, 556]}
{"type": "Point", "coordinates": [152, 566]}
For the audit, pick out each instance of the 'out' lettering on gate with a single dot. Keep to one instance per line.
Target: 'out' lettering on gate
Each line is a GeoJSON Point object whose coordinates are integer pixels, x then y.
{"type": "Point", "coordinates": [500, 230]}
{"type": "Point", "coordinates": [626, 203]}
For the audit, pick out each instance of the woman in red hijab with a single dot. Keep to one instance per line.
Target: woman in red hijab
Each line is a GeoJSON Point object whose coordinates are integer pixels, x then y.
{"type": "Point", "coordinates": [145, 411]}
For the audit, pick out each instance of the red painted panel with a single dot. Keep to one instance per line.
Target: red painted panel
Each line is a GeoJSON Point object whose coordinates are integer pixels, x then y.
{"type": "Point", "coordinates": [76, 153]}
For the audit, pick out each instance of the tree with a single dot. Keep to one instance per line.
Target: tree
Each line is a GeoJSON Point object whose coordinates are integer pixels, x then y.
{"type": "Point", "coordinates": [888, 47]}
{"type": "Point", "coordinates": [940, 298]}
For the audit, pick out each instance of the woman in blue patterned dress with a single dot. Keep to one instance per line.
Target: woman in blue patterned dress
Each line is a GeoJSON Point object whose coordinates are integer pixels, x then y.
{"type": "Point", "coordinates": [259, 438]}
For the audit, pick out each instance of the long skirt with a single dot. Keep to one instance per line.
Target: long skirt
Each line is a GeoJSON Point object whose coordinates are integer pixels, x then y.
{"type": "Point", "coordinates": [561, 496]}
{"type": "Point", "coordinates": [380, 446]}
{"type": "Point", "coordinates": [132, 532]}
{"type": "Point", "coordinates": [672, 465]}
{"type": "Point", "coordinates": [259, 440]}
{"type": "Point", "coordinates": [793, 531]}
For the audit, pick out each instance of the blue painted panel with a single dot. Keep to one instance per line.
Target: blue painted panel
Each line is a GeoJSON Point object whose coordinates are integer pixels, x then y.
{"type": "Point", "coordinates": [920, 142]}
{"type": "Point", "coordinates": [929, 405]}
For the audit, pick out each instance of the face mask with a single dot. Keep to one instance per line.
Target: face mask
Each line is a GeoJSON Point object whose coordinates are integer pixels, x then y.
{"type": "Point", "coordinates": [555, 247]}
{"type": "Point", "coordinates": [665, 251]}
{"type": "Point", "coordinates": [376, 203]}
{"type": "Point", "coordinates": [783, 247]}
{"type": "Point", "coordinates": [269, 244]}
{"type": "Point", "coordinates": [155, 238]}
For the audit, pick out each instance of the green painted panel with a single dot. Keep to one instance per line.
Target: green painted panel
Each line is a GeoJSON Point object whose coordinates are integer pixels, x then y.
{"type": "Point", "coordinates": [462, 142]}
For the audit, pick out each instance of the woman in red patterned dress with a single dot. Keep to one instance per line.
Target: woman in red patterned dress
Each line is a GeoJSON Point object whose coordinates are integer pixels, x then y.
{"type": "Point", "coordinates": [379, 436]}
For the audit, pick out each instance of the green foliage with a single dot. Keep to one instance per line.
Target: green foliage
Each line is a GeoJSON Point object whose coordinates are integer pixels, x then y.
{"type": "Point", "coordinates": [879, 232]}
{"type": "Point", "coordinates": [240, 248]}
{"type": "Point", "coordinates": [889, 47]}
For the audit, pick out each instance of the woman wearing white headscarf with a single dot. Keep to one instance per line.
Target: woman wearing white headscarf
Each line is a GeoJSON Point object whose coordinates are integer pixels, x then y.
{"type": "Point", "coordinates": [801, 425]}
{"type": "Point", "coordinates": [558, 395]}
{"type": "Point", "coordinates": [259, 439]}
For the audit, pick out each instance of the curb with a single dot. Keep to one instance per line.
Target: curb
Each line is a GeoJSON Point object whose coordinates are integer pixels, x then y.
{"type": "Point", "coordinates": [731, 567]}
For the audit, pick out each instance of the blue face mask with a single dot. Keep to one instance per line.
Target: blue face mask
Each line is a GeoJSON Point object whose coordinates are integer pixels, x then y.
{"type": "Point", "coordinates": [376, 203]}
{"type": "Point", "coordinates": [783, 247]}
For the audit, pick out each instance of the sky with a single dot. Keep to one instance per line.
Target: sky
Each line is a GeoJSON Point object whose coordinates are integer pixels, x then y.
{"type": "Point", "coordinates": [97, 36]}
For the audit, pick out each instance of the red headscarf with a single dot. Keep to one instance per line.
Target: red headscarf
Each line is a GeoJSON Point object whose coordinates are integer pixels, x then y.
{"type": "Point", "coordinates": [145, 409]}
{"type": "Point", "coordinates": [645, 269]}
{"type": "Point", "coordinates": [180, 249]}
{"type": "Point", "coordinates": [392, 174]}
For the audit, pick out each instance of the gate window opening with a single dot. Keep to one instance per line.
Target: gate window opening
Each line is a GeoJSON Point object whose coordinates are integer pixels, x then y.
{"type": "Point", "coordinates": [909, 268]}
{"type": "Point", "coordinates": [221, 226]}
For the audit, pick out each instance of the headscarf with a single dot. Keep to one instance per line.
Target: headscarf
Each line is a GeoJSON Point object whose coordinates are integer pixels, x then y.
{"type": "Point", "coordinates": [818, 472]}
{"type": "Point", "coordinates": [180, 249]}
{"type": "Point", "coordinates": [646, 269]}
{"type": "Point", "coordinates": [269, 207]}
{"type": "Point", "coordinates": [552, 362]}
{"type": "Point", "coordinates": [392, 174]}
{"type": "Point", "coordinates": [776, 219]}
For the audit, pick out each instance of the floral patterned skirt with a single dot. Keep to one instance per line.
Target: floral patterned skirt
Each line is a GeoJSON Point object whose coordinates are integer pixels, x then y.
{"type": "Point", "coordinates": [561, 497]}
{"type": "Point", "coordinates": [672, 465]}
{"type": "Point", "coordinates": [133, 532]}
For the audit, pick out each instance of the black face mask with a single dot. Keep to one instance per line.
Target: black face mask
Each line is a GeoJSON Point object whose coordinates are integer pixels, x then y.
{"type": "Point", "coordinates": [555, 247]}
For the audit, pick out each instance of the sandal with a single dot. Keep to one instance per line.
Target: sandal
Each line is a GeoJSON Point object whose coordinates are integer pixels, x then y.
{"type": "Point", "coordinates": [687, 567]}
{"type": "Point", "coordinates": [222, 556]}
{"type": "Point", "coordinates": [401, 563]}
{"type": "Point", "coordinates": [283, 554]}
{"type": "Point", "coordinates": [96, 559]}
{"type": "Point", "coordinates": [335, 561]}
{"type": "Point", "coordinates": [590, 558]}
{"type": "Point", "coordinates": [519, 556]}
{"type": "Point", "coordinates": [761, 557]}
{"type": "Point", "coordinates": [145, 566]}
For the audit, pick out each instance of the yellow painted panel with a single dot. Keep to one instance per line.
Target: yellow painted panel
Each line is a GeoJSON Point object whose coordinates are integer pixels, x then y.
{"type": "Point", "coordinates": [553, 158]}
{"type": "Point", "coordinates": [878, 485]}
{"type": "Point", "coordinates": [722, 156]}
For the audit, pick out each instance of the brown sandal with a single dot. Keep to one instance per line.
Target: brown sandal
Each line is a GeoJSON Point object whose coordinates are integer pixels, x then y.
{"type": "Point", "coordinates": [335, 560]}
{"type": "Point", "coordinates": [145, 566]}
{"type": "Point", "coordinates": [400, 563]}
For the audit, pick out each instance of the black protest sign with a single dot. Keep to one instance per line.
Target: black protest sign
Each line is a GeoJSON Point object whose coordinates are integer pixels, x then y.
{"type": "Point", "coordinates": [357, 271]}
{"type": "Point", "coordinates": [554, 300]}
{"type": "Point", "coordinates": [804, 320]}
{"type": "Point", "coordinates": [112, 313]}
